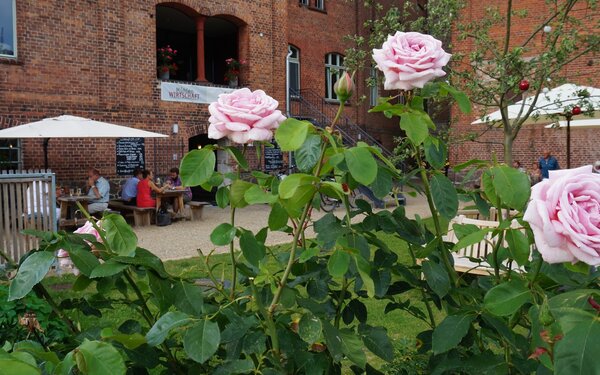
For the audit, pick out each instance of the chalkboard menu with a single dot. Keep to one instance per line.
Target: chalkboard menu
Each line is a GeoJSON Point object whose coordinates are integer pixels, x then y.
{"type": "Point", "coordinates": [273, 158]}
{"type": "Point", "coordinates": [130, 155]}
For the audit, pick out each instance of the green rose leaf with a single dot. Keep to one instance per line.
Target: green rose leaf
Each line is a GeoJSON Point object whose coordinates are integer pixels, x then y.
{"type": "Point", "coordinates": [101, 358]}
{"type": "Point", "coordinates": [256, 195]}
{"type": "Point", "coordinates": [160, 330]}
{"type": "Point", "coordinates": [222, 196]}
{"type": "Point", "coordinates": [383, 183]}
{"type": "Point", "coordinates": [444, 195]}
{"type": "Point", "coordinates": [338, 263]}
{"type": "Point", "coordinates": [518, 245]}
{"type": "Point", "coordinates": [352, 347]}
{"type": "Point", "coordinates": [437, 278]}
{"type": "Point", "coordinates": [436, 152]}
{"type": "Point", "coordinates": [119, 236]}
{"type": "Point", "coordinates": [197, 167]}
{"type": "Point", "coordinates": [108, 268]}
{"type": "Point", "coordinates": [290, 184]}
{"type": "Point", "coordinates": [278, 217]}
{"type": "Point", "coordinates": [291, 133]}
{"type": "Point", "coordinates": [253, 250]}
{"type": "Point", "coordinates": [507, 298]}
{"type": "Point", "coordinates": [12, 366]}
{"type": "Point", "coordinates": [576, 352]}
{"type": "Point", "coordinates": [32, 271]}
{"type": "Point", "coordinates": [377, 341]}
{"type": "Point", "coordinates": [450, 332]}
{"type": "Point", "coordinates": [130, 341]}
{"type": "Point", "coordinates": [237, 192]}
{"type": "Point", "coordinates": [202, 340]}
{"type": "Point", "coordinates": [307, 156]}
{"type": "Point", "coordinates": [83, 259]}
{"type": "Point", "coordinates": [364, 270]}
{"type": "Point", "coordinates": [415, 125]}
{"type": "Point", "coordinates": [238, 156]}
{"type": "Point", "coordinates": [223, 234]}
{"type": "Point", "coordinates": [512, 186]}
{"type": "Point", "coordinates": [188, 297]}
{"type": "Point", "coordinates": [361, 164]}
{"type": "Point", "coordinates": [309, 328]}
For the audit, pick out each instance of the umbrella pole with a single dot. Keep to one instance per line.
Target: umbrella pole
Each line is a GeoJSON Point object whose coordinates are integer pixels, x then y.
{"type": "Point", "coordinates": [568, 142]}
{"type": "Point", "coordinates": [46, 140]}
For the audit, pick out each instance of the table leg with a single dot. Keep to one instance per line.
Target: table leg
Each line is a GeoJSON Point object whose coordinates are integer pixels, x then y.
{"type": "Point", "coordinates": [180, 204]}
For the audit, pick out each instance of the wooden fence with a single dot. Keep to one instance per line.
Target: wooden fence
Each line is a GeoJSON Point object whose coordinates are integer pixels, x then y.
{"type": "Point", "coordinates": [27, 201]}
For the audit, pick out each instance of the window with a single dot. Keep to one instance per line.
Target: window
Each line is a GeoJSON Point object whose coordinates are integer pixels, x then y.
{"type": "Point", "coordinates": [320, 4]}
{"type": "Point", "coordinates": [8, 27]}
{"type": "Point", "coordinates": [333, 68]}
{"type": "Point", "coordinates": [304, 2]}
{"type": "Point", "coordinates": [293, 63]}
{"type": "Point", "coordinates": [10, 154]}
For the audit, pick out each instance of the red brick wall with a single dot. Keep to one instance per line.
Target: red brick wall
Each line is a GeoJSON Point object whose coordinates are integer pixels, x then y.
{"type": "Point", "coordinates": [532, 139]}
{"type": "Point", "coordinates": [96, 59]}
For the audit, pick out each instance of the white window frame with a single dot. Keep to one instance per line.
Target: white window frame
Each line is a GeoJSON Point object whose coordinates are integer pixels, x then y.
{"type": "Point", "coordinates": [14, 25]}
{"type": "Point", "coordinates": [333, 69]}
{"type": "Point", "coordinates": [320, 4]}
{"type": "Point", "coordinates": [293, 60]}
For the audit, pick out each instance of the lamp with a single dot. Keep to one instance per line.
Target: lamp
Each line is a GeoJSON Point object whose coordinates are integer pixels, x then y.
{"type": "Point", "coordinates": [175, 128]}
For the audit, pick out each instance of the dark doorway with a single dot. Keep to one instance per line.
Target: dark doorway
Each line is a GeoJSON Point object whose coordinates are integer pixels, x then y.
{"type": "Point", "coordinates": [198, 194]}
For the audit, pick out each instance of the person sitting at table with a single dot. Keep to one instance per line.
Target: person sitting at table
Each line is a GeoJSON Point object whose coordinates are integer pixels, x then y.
{"type": "Point", "coordinates": [129, 191]}
{"type": "Point", "coordinates": [144, 190]}
{"type": "Point", "coordinates": [174, 182]}
{"type": "Point", "coordinates": [98, 193]}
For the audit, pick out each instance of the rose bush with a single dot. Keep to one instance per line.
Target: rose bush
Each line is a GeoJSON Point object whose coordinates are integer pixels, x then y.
{"type": "Point", "coordinates": [244, 116]}
{"type": "Point", "coordinates": [564, 214]}
{"type": "Point", "coordinates": [410, 60]}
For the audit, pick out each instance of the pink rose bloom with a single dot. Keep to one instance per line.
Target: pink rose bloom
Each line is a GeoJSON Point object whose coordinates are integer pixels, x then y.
{"type": "Point", "coordinates": [564, 214]}
{"type": "Point", "coordinates": [410, 60]}
{"type": "Point", "coordinates": [88, 228]}
{"type": "Point", "coordinates": [244, 116]}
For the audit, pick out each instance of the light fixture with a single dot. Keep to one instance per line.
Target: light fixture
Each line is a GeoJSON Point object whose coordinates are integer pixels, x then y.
{"type": "Point", "coordinates": [547, 29]}
{"type": "Point", "coordinates": [175, 128]}
{"type": "Point", "coordinates": [199, 147]}
{"type": "Point", "coordinates": [261, 34]}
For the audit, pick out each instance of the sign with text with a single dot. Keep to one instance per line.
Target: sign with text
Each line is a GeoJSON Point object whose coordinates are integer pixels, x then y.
{"type": "Point", "coordinates": [273, 158]}
{"type": "Point", "coordinates": [130, 155]}
{"type": "Point", "coordinates": [180, 92]}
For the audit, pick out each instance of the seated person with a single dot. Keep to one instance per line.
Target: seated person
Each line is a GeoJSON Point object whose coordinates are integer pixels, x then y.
{"type": "Point", "coordinates": [129, 190]}
{"type": "Point", "coordinates": [144, 190]}
{"type": "Point", "coordinates": [174, 182]}
{"type": "Point", "coordinates": [99, 191]}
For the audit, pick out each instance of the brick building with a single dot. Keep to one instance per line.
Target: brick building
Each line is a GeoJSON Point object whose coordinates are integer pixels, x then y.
{"type": "Point", "coordinates": [534, 138]}
{"type": "Point", "coordinates": [98, 59]}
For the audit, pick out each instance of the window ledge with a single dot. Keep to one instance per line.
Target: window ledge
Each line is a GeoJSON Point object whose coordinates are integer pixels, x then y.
{"type": "Point", "coordinates": [313, 8]}
{"type": "Point", "coordinates": [10, 60]}
{"type": "Point", "coordinates": [336, 102]}
{"type": "Point", "coordinates": [198, 83]}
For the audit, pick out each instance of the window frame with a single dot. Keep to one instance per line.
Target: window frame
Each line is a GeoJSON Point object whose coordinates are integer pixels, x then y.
{"type": "Point", "coordinates": [17, 148]}
{"type": "Point", "coordinates": [14, 29]}
{"type": "Point", "coordinates": [320, 4]}
{"type": "Point", "coordinates": [330, 65]}
{"type": "Point", "coordinates": [304, 3]}
{"type": "Point", "coordinates": [294, 60]}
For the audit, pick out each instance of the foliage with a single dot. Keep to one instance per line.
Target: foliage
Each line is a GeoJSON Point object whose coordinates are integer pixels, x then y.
{"type": "Point", "coordinates": [233, 68]}
{"type": "Point", "coordinates": [306, 310]}
{"type": "Point", "coordinates": [166, 59]}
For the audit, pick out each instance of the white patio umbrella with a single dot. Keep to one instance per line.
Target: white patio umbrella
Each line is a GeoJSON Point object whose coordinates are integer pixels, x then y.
{"type": "Point", "coordinates": [73, 127]}
{"type": "Point", "coordinates": [576, 124]}
{"type": "Point", "coordinates": [555, 102]}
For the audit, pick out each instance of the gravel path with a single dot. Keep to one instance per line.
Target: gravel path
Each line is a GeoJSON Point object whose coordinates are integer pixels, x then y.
{"type": "Point", "coordinates": [182, 239]}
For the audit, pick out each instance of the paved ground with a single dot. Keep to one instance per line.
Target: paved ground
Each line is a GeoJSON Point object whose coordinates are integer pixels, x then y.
{"type": "Point", "coordinates": [182, 239]}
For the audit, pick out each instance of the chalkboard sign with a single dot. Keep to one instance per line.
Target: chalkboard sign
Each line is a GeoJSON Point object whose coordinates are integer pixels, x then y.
{"type": "Point", "coordinates": [273, 158]}
{"type": "Point", "coordinates": [130, 155]}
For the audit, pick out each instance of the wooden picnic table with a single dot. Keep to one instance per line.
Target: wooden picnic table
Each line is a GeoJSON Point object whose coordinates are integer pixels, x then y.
{"type": "Point", "coordinates": [68, 207]}
{"type": "Point", "coordinates": [171, 193]}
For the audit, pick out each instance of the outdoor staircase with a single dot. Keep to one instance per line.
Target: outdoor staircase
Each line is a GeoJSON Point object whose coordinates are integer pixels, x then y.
{"type": "Point", "coordinates": [308, 105]}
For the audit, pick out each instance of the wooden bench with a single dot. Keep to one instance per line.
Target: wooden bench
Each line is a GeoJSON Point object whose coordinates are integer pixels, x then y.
{"type": "Point", "coordinates": [141, 215]}
{"type": "Point", "coordinates": [197, 208]}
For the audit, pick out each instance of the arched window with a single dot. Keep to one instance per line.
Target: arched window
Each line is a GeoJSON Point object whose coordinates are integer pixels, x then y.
{"type": "Point", "coordinates": [334, 66]}
{"type": "Point", "coordinates": [176, 30]}
{"type": "Point", "coordinates": [293, 70]}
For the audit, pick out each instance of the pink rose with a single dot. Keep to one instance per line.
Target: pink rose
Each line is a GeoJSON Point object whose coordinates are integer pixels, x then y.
{"type": "Point", "coordinates": [88, 228]}
{"type": "Point", "coordinates": [244, 116]}
{"type": "Point", "coordinates": [410, 60]}
{"type": "Point", "coordinates": [564, 214]}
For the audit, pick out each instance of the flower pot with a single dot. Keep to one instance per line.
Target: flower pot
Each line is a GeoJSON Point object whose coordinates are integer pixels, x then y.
{"type": "Point", "coordinates": [164, 75]}
{"type": "Point", "coordinates": [233, 82]}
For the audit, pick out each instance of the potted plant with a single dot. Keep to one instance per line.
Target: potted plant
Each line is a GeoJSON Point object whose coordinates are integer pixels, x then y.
{"type": "Point", "coordinates": [166, 62]}
{"type": "Point", "coordinates": [233, 71]}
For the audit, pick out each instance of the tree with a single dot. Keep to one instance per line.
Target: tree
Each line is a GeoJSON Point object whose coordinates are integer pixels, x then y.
{"type": "Point", "coordinates": [492, 61]}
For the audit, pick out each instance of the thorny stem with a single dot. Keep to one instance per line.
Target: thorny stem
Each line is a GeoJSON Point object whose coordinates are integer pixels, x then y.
{"type": "Point", "coordinates": [436, 221]}
{"type": "Point", "coordinates": [423, 295]}
{"type": "Point", "coordinates": [232, 254]}
{"type": "Point", "coordinates": [271, 328]}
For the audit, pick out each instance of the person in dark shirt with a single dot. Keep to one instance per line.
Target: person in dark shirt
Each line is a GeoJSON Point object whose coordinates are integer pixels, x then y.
{"type": "Point", "coordinates": [548, 163]}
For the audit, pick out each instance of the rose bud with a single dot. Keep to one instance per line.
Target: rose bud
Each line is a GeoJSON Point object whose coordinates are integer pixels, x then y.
{"type": "Point", "coordinates": [576, 110]}
{"type": "Point", "coordinates": [344, 87]}
{"type": "Point", "coordinates": [345, 187]}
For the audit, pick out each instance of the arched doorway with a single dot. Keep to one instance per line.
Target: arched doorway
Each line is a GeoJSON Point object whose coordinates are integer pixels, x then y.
{"type": "Point", "coordinates": [221, 43]}
{"type": "Point", "coordinates": [177, 29]}
{"type": "Point", "coordinates": [197, 142]}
